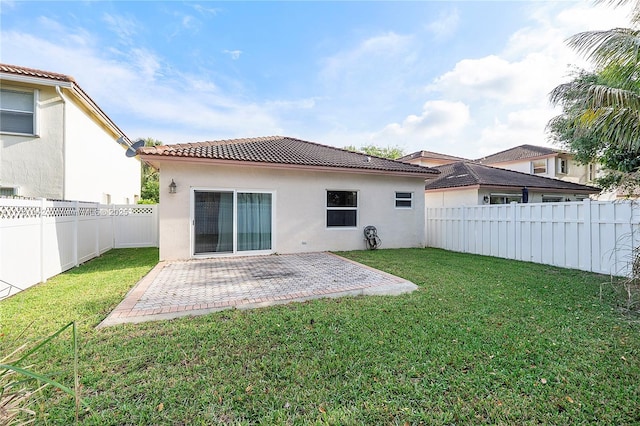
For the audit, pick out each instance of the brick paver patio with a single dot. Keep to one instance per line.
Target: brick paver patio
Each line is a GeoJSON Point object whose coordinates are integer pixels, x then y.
{"type": "Point", "coordinates": [197, 287]}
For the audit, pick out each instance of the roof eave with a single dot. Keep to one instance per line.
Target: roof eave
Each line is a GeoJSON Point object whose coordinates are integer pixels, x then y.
{"type": "Point", "coordinates": [518, 187]}
{"type": "Point", "coordinates": [155, 160]}
{"type": "Point", "coordinates": [74, 89]}
{"type": "Point", "coordinates": [35, 80]}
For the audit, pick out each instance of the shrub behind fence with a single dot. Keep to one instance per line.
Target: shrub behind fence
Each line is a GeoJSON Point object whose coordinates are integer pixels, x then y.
{"type": "Point", "coordinates": [41, 238]}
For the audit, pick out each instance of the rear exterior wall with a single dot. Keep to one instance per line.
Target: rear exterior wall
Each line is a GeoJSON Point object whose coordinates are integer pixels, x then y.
{"type": "Point", "coordinates": [299, 199]}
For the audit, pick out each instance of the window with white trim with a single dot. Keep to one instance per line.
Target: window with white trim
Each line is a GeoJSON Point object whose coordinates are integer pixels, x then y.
{"type": "Point", "coordinates": [404, 200]}
{"type": "Point", "coordinates": [539, 167]}
{"type": "Point", "coordinates": [552, 199]}
{"type": "Point", "coordinates": [563, 166]}
{"type": "Point", "coordinates": [17, 111]}
{"type": "Point", "coordinates": [8, 191]}
{"type": "Point", "coordinates": [342, 209]}
{"type": "Point", "coordinates": [591, 171]}
{"type": "Point", "coordinates": [504, 198]}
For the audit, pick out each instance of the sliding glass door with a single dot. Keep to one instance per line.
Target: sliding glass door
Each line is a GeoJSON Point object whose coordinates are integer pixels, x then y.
{"type": "Point", "coordinates": [254, 221]}
{"type": "Point", "coordinates": [231, 221]}
{"type": "Point", "coordinates": [213, 222]}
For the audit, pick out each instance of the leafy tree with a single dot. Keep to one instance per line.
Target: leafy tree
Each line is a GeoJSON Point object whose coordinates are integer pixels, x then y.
{"type": "Point", "coordinates": [391, 152]}
{"type": "Point", "coordinates": [150, 179]}
{"type": "Point", "coordinates": [601, 109]}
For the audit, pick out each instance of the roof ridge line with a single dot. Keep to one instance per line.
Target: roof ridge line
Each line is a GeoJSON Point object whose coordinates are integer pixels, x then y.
{"type": "Point", "coordinates": [538, 176]}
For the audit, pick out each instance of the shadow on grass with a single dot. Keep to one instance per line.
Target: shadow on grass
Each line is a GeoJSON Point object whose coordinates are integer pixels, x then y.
{"type": "Point", "coordinates": [117, 259]}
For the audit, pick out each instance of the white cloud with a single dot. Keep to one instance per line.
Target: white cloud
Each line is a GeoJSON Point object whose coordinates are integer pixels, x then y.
{"type": "Point", "coordinates": [123, 27]}
{"type": "Point", "coordinates": [139, 87]}
{"type": "Point", "coordinates": [440, 120]}
{"type": "Point", "coordinates": [445, 25]}
{"type": "Point", "coordinates": [233, 54]}
{"type": "Point", "coordinates": [508, 90]}
{"type": "Point", "coordinates": [375, 50]}
{"type": "Point", "coordinates": [518, 127]}
{"type": "Point", "coordinates": [213, 11]}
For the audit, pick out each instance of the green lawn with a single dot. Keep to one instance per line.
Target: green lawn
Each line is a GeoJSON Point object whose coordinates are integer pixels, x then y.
{"type": "Point", "coordinates": [483, 340]}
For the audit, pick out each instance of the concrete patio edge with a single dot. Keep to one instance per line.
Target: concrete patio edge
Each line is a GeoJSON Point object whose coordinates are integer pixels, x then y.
{"type": "Point", "coordinates": [126, 311]}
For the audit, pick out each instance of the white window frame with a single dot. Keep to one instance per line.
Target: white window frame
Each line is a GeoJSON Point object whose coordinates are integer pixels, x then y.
{"type": "Point", "coordinates": [552, 199]}
{"type": "Point", "coordinates": [36, 96]}
{"type": "Point", "coordinates": [404, 199]}
{"type": "Point", "coordinates": [538, 166]}
{"type": "Point", "coordinates": [563, 166]}
{"type": "Point", "coordinates": [349, 208]}
{"type": "Point", "coordinates": [591, 171]}
{"type": "Point", "coordinates": [505, 197]}
{"type": "Point", "coordinates": [15, 191]}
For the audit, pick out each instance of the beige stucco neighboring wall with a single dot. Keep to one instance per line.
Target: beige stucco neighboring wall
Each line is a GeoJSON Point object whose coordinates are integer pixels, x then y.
{"type": "Point", "coordinates": [474, 196]}
{"type": "Point", "coordinates": [299, 199]}
{"type": "Point", "coordinates": [34, 164]}
{"type": "Point", "coordinates": [454, 197]}
{"type": "Point", "coordinates": [97, 168]}
{"type": "Point", "coordinates": [73, 156]}
{"type": "Point", "coordinates": [576, 173]}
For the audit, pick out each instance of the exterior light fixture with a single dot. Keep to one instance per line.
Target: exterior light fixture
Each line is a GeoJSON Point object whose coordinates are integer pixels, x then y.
{"type": "Point", "coordinates": [486, 199]}
{"type": "Point", "coordinates": [172, 187]}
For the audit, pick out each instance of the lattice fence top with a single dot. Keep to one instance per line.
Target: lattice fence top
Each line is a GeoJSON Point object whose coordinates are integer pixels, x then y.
{"type": "Point", "coordinates": [17, 211]}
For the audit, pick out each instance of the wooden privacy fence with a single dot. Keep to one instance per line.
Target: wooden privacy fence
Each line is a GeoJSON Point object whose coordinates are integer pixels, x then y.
{"type": "Point", "coordinates": [596, 236]}
{"type": "Point", "coordinates": [41, 238]}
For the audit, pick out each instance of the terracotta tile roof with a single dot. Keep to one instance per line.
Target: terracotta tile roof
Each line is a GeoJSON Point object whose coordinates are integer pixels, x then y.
{"type": "Point", "coordinates": [282, 150]}
{"type": "Point", "coordinates": [462, 174]}
{"type": "Point", "coordinates": [53, 76]}
{"type": "Point", "coordinates": [518, 153]}
{"type": "Point", "coordinates": [430, 154]}
{"type": "Point", "coordinates": [30, 72]}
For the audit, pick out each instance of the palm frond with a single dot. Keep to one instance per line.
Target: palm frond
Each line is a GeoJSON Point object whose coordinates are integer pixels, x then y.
{"type": "Point", "coordinates": [618, 126]}
{"type": "Point", "coordinates": [601, 96]}
{"type": "Point", "coordinates": [619, 45]}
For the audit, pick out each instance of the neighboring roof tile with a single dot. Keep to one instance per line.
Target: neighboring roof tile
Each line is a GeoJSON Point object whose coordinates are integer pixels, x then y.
{"type": "Point", "coordinates": [48, 75]}
{"type": "Point", "coordinates": [30, 72]}
{"type": "Point", "coordinates": [518, 153]}
{"type": "Point", "coordinates": [430, 154]}
{"type": "Point", "coordinates": [462, 174]}
{"type": "Point", "coordinates": [283, 150]}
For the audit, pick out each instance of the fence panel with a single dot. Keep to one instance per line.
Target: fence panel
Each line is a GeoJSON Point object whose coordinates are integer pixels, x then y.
{"type": "Point", "coordinates": [135, 226]}
{"type": "Point", "coordinates": [41, 238]}
{"type": "Point", "coordinates": [591, 236]}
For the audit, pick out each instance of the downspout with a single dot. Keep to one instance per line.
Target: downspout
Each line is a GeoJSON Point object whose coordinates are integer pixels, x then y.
{"type": "Point", "coordinates": [64, 142]}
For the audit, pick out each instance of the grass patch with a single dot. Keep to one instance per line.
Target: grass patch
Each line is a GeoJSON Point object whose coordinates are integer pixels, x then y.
{"type": "Point", "coordinates": [483, 340]}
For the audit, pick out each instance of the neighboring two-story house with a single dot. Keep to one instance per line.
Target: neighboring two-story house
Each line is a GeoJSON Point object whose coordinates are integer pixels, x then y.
{"type": "Point", "coordinates": [542, 161]}
{"type": "Point", "coordinates": [56, 142]}
{"type": "Point", "coordinates": [525, 173]}
{"type": "Point", "coordinates": [430, 159]}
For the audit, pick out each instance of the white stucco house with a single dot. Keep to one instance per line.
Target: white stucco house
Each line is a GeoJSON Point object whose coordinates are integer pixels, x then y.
{"type": "Point", "coordinates": [430, 158]}
{"type": "Point", "coordinates": [282, 195]}
{"type": "Point", "coordinates": [466, 183]}
{"type": "Point", "coordinates": [542, 161]}
{"type": "Point", "coordinates": [50, 132]}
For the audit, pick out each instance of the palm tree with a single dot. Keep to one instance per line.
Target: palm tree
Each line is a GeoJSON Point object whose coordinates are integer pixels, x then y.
{"type": "Point", "coordinates": [604, 105]}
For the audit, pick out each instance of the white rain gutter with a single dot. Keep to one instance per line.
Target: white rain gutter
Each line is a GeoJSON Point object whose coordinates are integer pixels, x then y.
{"type": "Point", "coordinates": [64, 142]}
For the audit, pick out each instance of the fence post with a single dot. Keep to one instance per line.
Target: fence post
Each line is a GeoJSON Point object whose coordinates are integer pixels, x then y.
{"type": "Point", "coordinates": [97, 222]}
{"type": "Point", "coordinates": [76, 209]}
{"type": "Point", "coordinates": [463, 229]}
{"type": "Point", "coordinates": [515, 240]}
{"type": "Point", "coordinates": [587, 236]}
{"type": "Point", "coordinates": [43, 276]}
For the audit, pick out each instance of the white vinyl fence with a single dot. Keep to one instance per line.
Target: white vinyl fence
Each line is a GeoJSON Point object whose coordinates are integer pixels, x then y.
{"type": "Point", "coordinates": [41, 238]}
{"type": "Point", "coordinates": [596, 236]}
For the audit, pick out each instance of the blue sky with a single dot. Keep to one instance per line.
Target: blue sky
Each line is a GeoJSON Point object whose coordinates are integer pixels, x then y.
{"type": "Point", "coordinates": [462, 78]}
